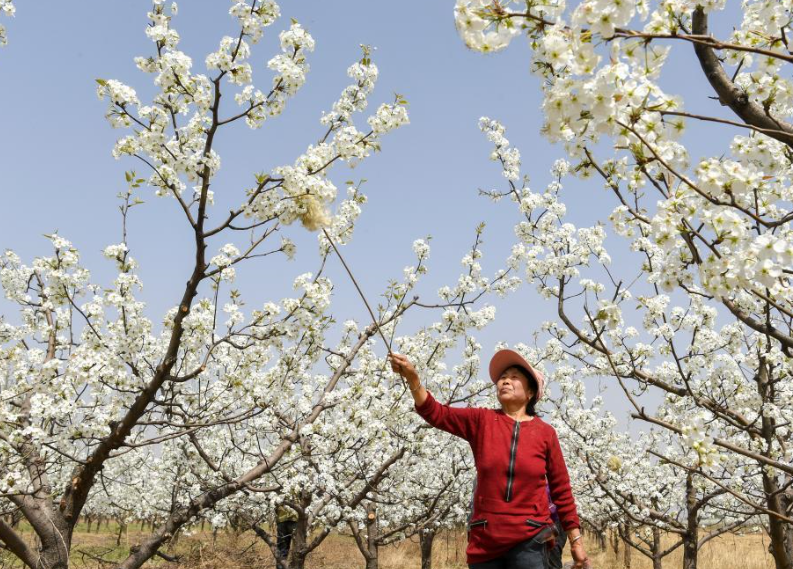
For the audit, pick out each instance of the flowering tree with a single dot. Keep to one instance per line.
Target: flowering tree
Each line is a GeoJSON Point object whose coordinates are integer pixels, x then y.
{"type": "Point", "coordinates": [87, 378]}
{"type": "Point", "coordinates": [622, 480]}
{"type": "Point", "coordinates": [714, 248]}
{"type": "Point", "coordinates": [430, 486]}
{"type": "Point", "coordinates": [370, 464]}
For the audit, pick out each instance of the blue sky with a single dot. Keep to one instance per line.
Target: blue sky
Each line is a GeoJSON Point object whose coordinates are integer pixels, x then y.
{"type": "Point", "coordinates": [57, 172]}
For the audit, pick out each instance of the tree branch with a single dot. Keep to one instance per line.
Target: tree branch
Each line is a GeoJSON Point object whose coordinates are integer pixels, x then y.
{"type": "Point", "coordinates": [17, 545]}
{"type": "Point", "coordinates": [730, 94]}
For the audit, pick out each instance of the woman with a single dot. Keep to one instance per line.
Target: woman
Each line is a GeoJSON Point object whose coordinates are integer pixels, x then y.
{"type": "Point", "coordinates": [515, 452]}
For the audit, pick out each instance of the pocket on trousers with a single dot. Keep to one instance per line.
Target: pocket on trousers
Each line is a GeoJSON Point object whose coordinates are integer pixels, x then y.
{"type": "Point", "coordinates": [478, 536]}
{"type": "Point", "coordinates": [545, 536]}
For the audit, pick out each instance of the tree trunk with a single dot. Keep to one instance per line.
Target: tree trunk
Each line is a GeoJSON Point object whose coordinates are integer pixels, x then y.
{"type": "Point", "coordinates": [372, 561]}
{"type": "Point", "coordinates": [691, 537]}
{"type": "Point", "coordinates": [787, 501]}
{"type": "Point", "coordinates": [296, 561]}
{"type": "Point", "coordinates": [88, 522]}
{"type": "Point", "coordinates": [54, 537]}
{"type": "Point", "coordinates": [299, 546]}
{"type": "Point", "coordinates": [51, 558]}
{"type": "Point", "coordinates": [121, 528]}
{"type": "Point", "coordinates": [366, 539]}
{"type": "Point", "coordinates": [626, 557]}
{"type": "Point", "coordinates": [615, 543]}
{"type": "Point", "coordinates": [426, 537]}
{"type": "Point", "coordinates": [783, 557]}
{"type": "Point", "coordinates": [657, 548]}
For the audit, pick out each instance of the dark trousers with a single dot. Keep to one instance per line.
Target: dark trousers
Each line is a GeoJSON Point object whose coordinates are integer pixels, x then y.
{"type": "Point", "coordinates": [284, 531]}
{"type": "Point", "coordinates": [555, 554]}
{"type": "Point", "coordinates": [528, 554]}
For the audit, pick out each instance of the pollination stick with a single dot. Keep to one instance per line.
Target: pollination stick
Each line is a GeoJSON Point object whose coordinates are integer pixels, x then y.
{"type": "Point", "coordinates": [360, 292]}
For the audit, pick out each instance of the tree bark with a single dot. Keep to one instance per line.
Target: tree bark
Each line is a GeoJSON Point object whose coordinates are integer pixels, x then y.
{"type": "Point", "coordinates": [300, 548]}
{"type": "Point", "coordinates": [691, 536]}
{"type": "Point", "coordinates": [787, 503]}
{"type": "Point", "coordinates": [55, 545]}
{"type": "Point", "coordinates": [783, 557]}
{"type": "Point", "coordinates": [626, 550]}
{"type": "Point", "coordinates": [778, 530]}
{"type": "Point", "coordinates": [426, 538]}
{"type": "Point", "coordinates": [16, 544]}
{"type": "Point", "coordinates": [121, 529]}
{"type": "Point", "coordinates": [730, 94]}
{"type": "Point", "coordinates": [601, 537]}
{"type": "Point", "coordinates": [372, 560]}
{"type": "Point", "coordinates": [657, 558]}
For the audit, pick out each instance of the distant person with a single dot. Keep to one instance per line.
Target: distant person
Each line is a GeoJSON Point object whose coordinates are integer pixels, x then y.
{"type": "Point", "coordinates": [517, 455]}
{"type": "Point", "coordinates": [285, 524]}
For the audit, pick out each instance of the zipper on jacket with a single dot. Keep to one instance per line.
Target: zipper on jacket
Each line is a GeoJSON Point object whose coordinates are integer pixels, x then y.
{"type": "Point", "coordinates": [482, 523]}
{"type": "Point", "coordinates": [512, 452]}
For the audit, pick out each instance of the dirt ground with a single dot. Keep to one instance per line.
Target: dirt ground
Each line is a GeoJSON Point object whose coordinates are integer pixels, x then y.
{"type": "Point", "coordinates": [228, 550]}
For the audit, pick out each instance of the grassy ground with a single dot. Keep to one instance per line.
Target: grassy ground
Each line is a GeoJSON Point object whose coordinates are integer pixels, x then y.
{"type": "Point", "coordinates": [243, 551]}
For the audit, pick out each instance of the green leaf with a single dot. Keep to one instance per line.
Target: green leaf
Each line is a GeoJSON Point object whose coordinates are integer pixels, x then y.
{"type": "Point", "coordinates": [102, 82]}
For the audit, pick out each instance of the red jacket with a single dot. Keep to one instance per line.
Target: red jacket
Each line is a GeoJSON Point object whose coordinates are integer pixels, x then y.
{"type": "Point", "coordinates": [513, 461]}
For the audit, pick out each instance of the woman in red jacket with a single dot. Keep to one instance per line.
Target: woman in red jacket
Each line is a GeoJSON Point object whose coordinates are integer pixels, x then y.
{"type": "Point", "coordinates": [514, 451]}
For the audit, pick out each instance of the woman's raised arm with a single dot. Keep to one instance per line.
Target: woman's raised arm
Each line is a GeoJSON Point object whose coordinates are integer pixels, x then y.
{"type": "Point", "coordinates": [458, 421]}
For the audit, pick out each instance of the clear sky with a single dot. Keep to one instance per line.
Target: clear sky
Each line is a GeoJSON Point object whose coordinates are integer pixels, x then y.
{"type": "Point", "coordinates": [57, 173]}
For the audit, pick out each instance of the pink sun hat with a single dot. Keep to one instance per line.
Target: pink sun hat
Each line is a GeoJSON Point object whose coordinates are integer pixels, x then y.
{"type": "Point", "coordinates": [504, 359]}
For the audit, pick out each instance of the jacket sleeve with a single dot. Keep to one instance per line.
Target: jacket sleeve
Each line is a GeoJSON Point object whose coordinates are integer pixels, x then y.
{"type": "Point", "coordinates": [459, 421]}
{"type": "Point", "coordinates": [559, 484]}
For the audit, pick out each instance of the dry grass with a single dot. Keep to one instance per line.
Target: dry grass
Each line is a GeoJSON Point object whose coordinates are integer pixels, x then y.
{"type": "Point", "coordinates": [243, 551]}
{"type": "Point", "coordinates": [729, 551]}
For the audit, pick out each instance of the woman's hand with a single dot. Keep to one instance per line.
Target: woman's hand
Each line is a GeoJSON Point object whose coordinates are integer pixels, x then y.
{"type": "Point", "coordinates": [579, 555]}
{"type": "Point", "coordinates": [401, 365]}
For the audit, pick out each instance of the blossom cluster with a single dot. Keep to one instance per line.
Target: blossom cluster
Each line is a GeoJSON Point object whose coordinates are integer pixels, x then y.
{"type": "Point", "coordinates": [306, 190]}
{"type": "Point", "coordinates": [7, 9]}
{"type": "Point", "coordinates": [477, 31]}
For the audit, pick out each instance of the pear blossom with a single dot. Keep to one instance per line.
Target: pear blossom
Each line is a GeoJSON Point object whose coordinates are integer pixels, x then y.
{"type": "Point", "coordinates": [8, 9]}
